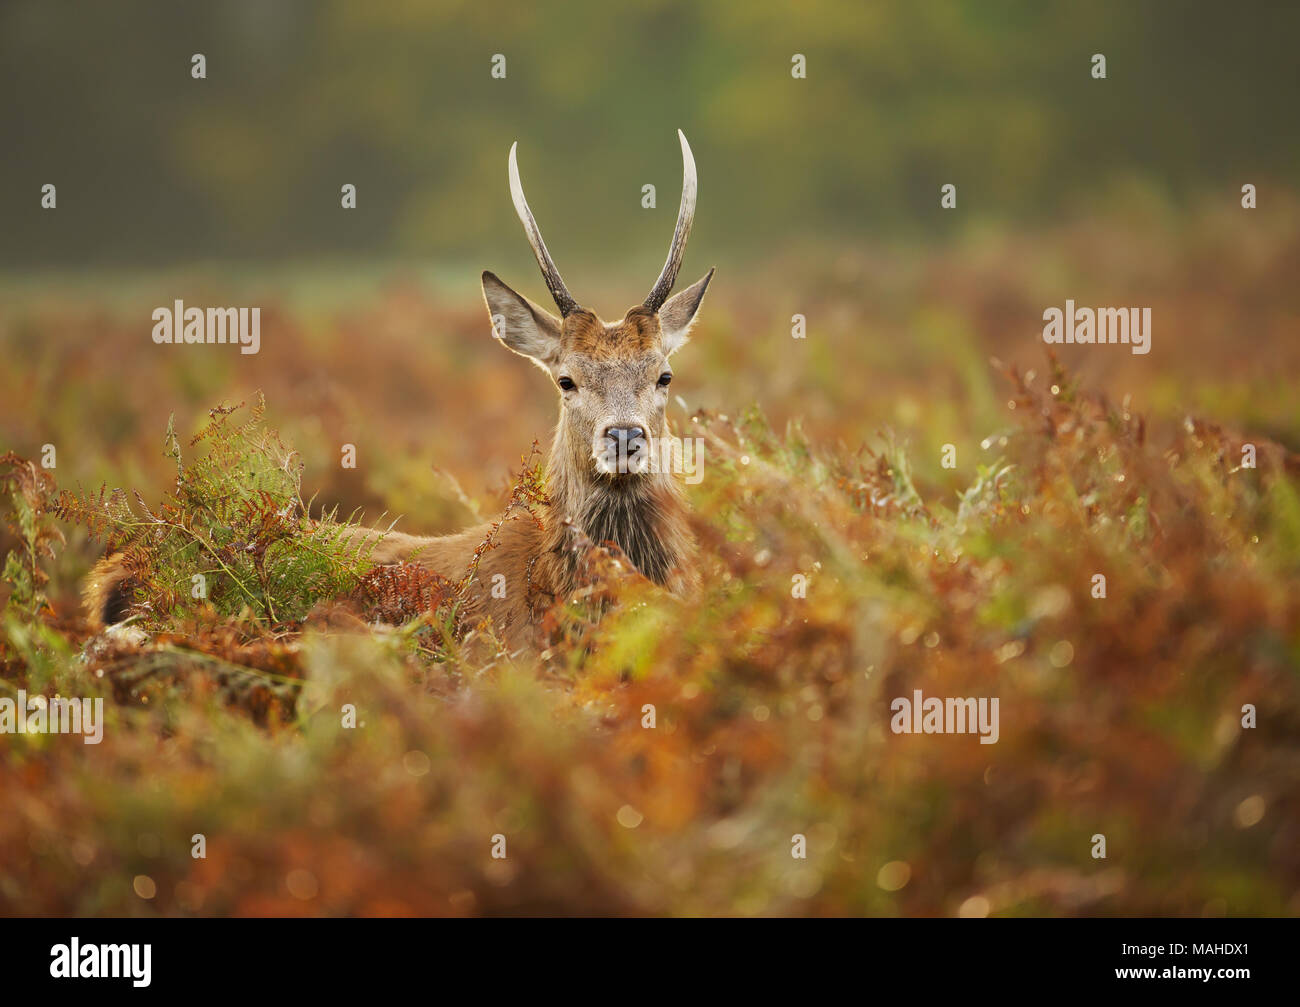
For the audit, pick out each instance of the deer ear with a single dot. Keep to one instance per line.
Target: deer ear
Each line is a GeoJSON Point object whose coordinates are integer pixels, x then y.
{"type": "Point", "coordinates": [678, 312]}
{"type": "Point", "coordinates": [520, 324]}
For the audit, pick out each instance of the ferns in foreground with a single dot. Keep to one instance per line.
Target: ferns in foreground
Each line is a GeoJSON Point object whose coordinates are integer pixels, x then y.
{"type": "Point", "coordinates": [234, 536]}
{"type": "Point", "coordinates": [24, 490]}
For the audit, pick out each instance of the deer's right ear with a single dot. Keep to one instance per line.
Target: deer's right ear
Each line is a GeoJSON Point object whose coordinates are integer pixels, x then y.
{"type": "Point", "coordinates": [520, 324]}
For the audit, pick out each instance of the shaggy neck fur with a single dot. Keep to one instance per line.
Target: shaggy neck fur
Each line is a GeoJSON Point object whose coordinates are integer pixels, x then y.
{"type": "Point", "coordinates": [644, 515]}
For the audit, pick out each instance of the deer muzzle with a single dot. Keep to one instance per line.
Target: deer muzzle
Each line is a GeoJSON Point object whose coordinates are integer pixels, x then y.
{"type": "Point", "coordinates": [622, 450]}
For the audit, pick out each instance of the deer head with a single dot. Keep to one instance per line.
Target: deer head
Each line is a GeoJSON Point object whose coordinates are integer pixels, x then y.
{"type": "Point", "coordinates": [612, 377]}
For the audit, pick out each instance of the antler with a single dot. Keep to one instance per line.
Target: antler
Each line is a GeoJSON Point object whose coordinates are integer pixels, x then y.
{"type": "Point", "coordinates": [563, 299]}
{"type": "Point", "coordinates": [685, 218]}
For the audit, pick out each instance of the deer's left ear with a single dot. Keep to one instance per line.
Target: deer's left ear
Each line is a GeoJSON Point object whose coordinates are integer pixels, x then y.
{"type": "Point", "coordinates": [678, 312]}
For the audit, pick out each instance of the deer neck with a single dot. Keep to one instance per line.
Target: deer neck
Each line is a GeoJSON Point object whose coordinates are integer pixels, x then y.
{"type": "Point", "coordinates": [644, 515]}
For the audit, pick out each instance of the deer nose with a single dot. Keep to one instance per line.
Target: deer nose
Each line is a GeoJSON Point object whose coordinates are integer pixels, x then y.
{"type": "Point", "coordinates": [622, 450]}
{"type": "Point", "coordinates": [625, 435]}
{"type": "Point", "coordinates": [629, 438]}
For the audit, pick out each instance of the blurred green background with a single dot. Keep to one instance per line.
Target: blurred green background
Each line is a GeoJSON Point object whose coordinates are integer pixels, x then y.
{"type": "Point", "coordinates": [156, 168]}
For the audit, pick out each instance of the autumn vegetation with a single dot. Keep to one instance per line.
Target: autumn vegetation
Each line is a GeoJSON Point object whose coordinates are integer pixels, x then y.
{"type": "Point", "coordinates": [842, 565]}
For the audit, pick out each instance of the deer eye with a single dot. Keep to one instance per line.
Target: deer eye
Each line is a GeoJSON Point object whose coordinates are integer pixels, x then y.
{"type": "Point", "coordinates": [566, 383]}
{"type": "Point", "coordinates": [665, 379]}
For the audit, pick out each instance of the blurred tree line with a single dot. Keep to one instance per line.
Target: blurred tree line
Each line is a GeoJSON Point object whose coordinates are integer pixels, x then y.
{"type": "Point", "coordinates": [996, 96]}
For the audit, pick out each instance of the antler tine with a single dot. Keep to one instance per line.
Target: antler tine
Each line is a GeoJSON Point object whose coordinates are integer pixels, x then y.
{"type": "Point", "coordinates": [563, 299]}
{"type": "Point", "coordinates": [685, 218]}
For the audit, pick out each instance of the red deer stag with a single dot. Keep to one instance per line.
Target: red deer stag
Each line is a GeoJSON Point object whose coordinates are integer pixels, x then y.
{"type": "Point", "coordinates": [604, 484]}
